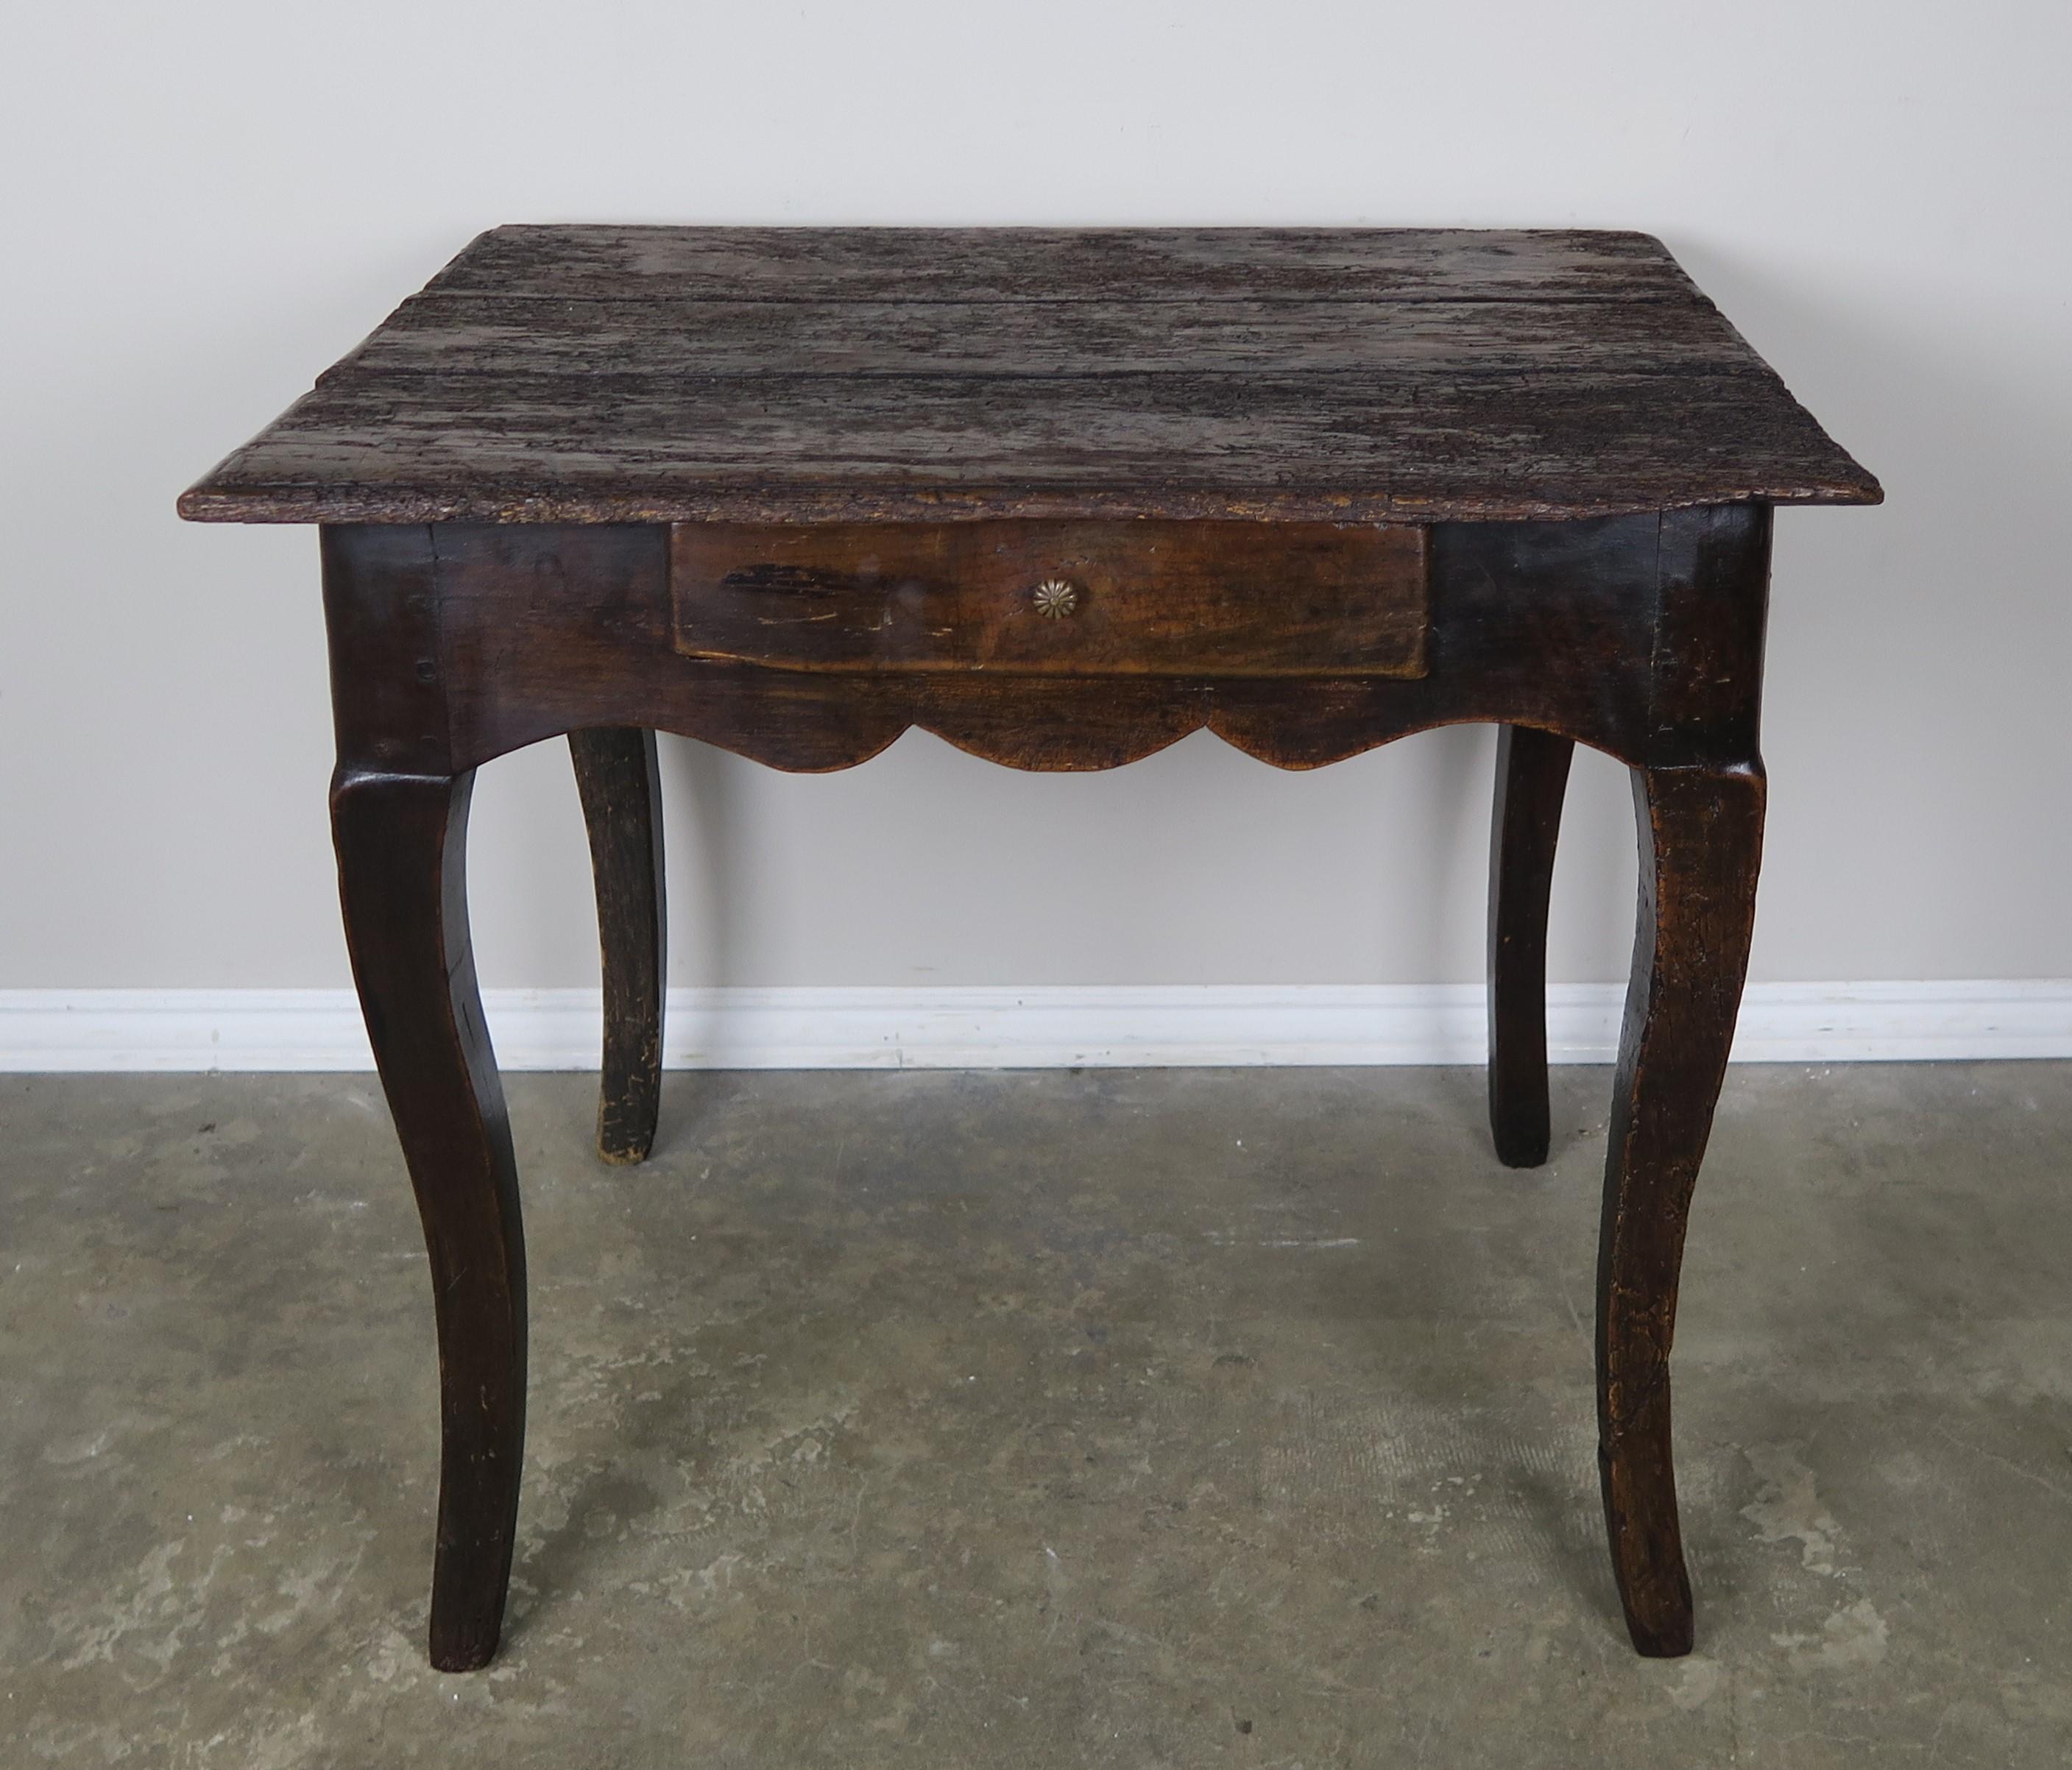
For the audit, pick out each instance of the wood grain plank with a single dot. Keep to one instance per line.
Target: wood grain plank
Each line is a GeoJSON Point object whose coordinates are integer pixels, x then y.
{"type": "Point", "coordinates": [646, 448]}
{"type": "Point", "coordinates": [599, 374]}
{"type": "Point", "coordinates": [495, 335]}
{"type": "Point", "coordinates": [1061, 264]}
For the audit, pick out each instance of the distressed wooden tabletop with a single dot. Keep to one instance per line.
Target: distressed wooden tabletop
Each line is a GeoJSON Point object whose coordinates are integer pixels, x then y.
{"type": "Point", "coordinates": [653, 374]}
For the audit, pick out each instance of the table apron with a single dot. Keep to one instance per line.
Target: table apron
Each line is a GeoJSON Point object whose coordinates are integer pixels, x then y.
{"type": "Point", "coordinates": [454, 643]}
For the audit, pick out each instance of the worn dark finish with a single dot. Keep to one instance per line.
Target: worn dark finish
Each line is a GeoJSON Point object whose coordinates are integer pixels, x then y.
{"type": "Point", "coordinates": [1035, 341]}
{"type": "Point", "coordinates": [1700, 842]}
{"type": "Point", "coordinates": [660, 374]}
{"type": "Point", "coordinates": [617, 774]}
{"type": "Point", "coordinates": [1072, 264]}
{"type": "Point", "coordinates": [398, 815]}
{"type": "Point", "coordinates": [1178, 441]}
{"type": "Point", "coordinates": [1531, 777]}
{"type": "Point", "coordinates": [1531, 622]}
{"type": "Point", "coordinates": [1058, 599]}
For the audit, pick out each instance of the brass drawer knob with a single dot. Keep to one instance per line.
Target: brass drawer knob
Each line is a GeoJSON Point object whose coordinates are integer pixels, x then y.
{"type": "Point", "coordinates": [1055, 599]}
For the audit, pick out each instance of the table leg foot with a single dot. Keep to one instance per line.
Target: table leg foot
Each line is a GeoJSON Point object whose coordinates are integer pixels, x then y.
{"type": "Point", "coordinates": [401, 841]}
{"type": "Point", "coordinates": [1700, 845]}
{"type": "Point", "coordinates": [1532, 776]}
{"type": "Point", "coordinates": [617, 775]}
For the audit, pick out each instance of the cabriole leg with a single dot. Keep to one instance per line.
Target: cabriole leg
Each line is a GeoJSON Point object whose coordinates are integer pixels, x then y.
{"type": "Point", "coordinates": [622, 799]}
{"type": "Point", "coordinates": [402, 842]}
{"type": "Point", "coordinates": [1532, 776]}
{"type": "Point", "coordinates": [1700, 846]}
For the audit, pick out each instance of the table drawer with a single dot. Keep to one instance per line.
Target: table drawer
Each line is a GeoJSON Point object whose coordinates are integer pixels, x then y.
{"type": "Point", "coordinates": [1038, 598]}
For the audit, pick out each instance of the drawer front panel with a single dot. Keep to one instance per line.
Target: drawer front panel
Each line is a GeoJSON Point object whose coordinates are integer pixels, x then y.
{"type": "Point", "coordinates": [1037, 598]}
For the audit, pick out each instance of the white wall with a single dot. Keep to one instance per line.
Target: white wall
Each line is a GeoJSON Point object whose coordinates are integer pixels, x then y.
{"type": "Point", "coordinates": [204, 205]}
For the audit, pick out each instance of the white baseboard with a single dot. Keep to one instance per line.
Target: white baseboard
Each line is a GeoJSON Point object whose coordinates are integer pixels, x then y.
{"type": "Point", "coordinates": [1153, 1026]}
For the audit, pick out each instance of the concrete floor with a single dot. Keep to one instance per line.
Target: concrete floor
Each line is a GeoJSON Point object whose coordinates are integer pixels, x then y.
{"type": "Point", "coordinates": [1131, 1418]}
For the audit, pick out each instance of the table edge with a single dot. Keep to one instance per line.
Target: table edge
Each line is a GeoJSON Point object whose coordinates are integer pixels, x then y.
{"type": "Point", "coordinates": [291, 504]}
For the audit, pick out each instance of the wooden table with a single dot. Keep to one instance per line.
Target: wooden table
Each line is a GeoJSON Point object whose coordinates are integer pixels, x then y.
{"type": "Point", "coordinates": [1061, 498]}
